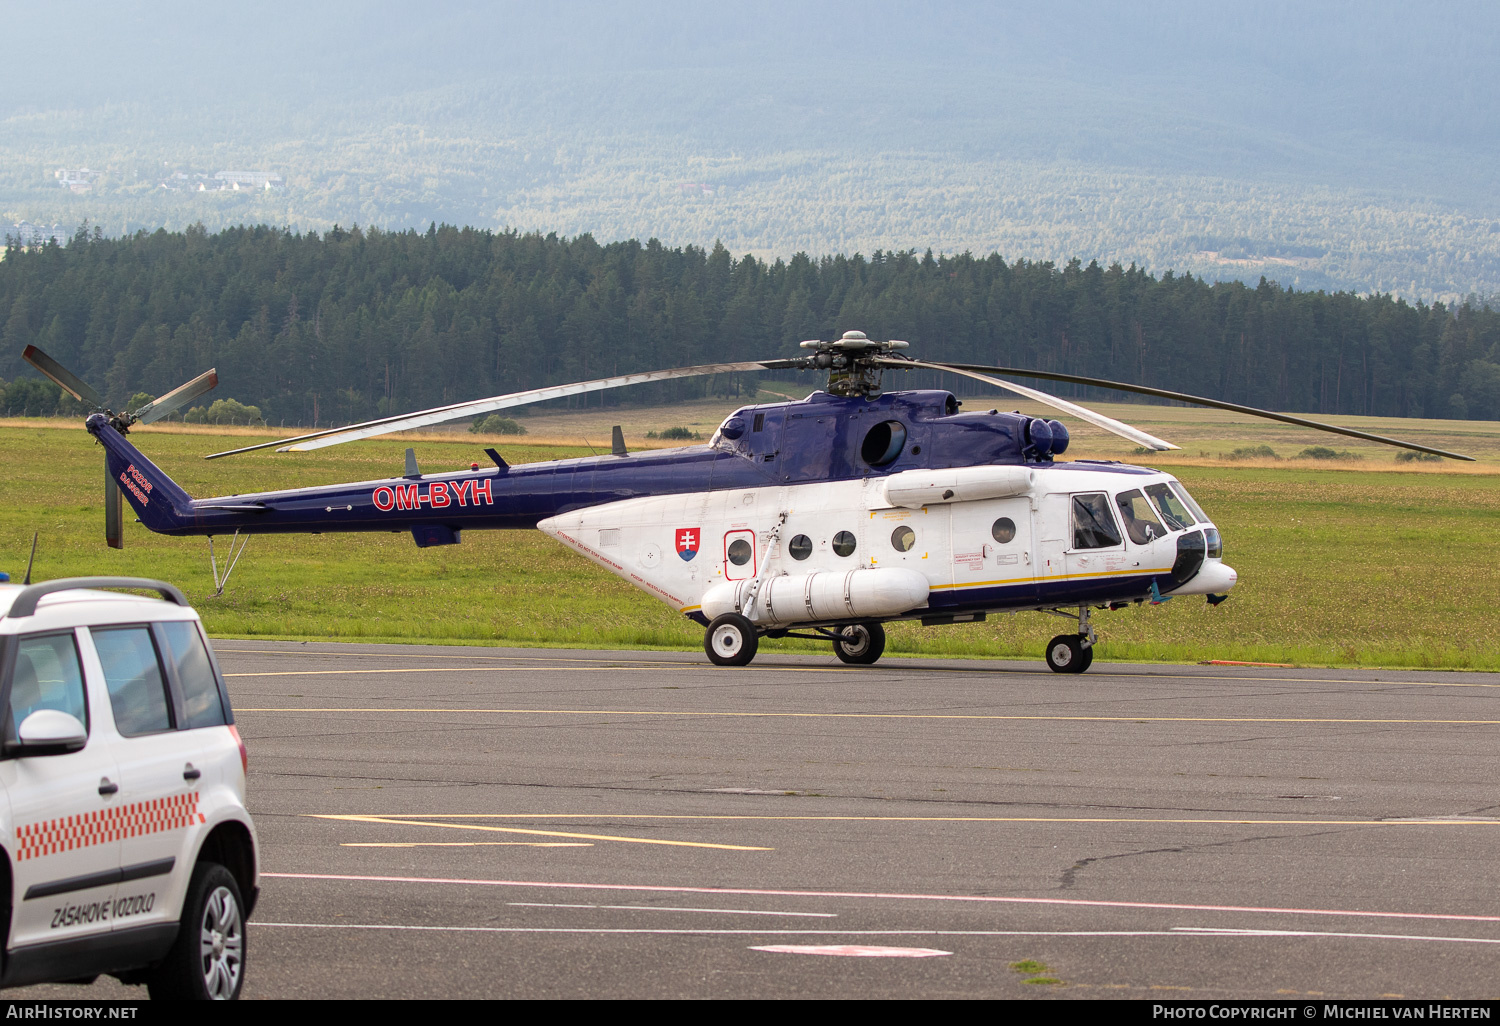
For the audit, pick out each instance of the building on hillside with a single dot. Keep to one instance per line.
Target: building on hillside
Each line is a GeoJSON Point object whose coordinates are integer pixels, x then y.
{"type": "Point", "coordinates": [28, 234]}
{"type": "Point", "coordinates": [238, 180]}
{"type": "Point", "coordinates": [76, 179]}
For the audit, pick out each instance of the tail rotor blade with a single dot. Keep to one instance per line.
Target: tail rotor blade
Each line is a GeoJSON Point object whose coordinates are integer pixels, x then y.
{"type": "Point", "coordinates": [70, 382]}
{"type": "Point", "coordinates": [180, 396]}
{"type": "Point", "coordinates": [114, 534]}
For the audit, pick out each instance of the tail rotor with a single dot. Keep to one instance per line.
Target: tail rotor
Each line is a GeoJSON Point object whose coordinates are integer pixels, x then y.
{"type": "Point", "coordinates": [156, 409]}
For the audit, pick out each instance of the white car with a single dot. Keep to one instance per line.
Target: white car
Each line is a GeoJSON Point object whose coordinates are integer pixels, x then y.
{"type": "Point", "coordinates": [127, 849]}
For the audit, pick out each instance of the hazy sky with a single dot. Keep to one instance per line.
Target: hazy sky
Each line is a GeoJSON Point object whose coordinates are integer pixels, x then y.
{"type": "Point", "coordinates": [1415, 72]}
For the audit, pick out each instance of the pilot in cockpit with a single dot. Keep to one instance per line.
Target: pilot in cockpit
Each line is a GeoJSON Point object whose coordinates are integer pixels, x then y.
{"type": "Point", "coordinates": [1138, 530]}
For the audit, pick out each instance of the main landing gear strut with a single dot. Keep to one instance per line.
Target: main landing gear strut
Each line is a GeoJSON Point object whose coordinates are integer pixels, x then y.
{"type": "Point", "coordinates": [731, 640]}
{"type": "Point", "coordinates": [1072, 653]}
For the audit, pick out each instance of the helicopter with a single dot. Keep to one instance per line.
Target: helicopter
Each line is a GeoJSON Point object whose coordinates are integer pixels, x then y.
{"type": "Point", "coordinates": [821, 518]}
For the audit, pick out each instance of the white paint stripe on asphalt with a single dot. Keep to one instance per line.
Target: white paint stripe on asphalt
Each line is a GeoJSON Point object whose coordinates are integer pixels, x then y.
{"type": "Point", "coordinates": [664, 908]}
{"type": "Point", "coordinates": [665, 931]}
{"type": "Point", "coordinates": [1012, 667]}
{"type": "Point", "coordinates": [850, 950]}
{"type": "Point", "coordinates": [881, 895]}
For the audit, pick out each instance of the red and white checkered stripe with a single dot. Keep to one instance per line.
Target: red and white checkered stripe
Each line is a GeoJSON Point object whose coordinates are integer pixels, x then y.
{"type": "Point", "coordinates": [67, 833]}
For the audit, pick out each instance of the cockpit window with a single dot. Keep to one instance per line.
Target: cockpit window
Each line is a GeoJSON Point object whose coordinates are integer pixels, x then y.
{"type": "Point", "coordinates": [1093, 527]}
{"type": "Point", "coordinates": [1141, 524]}
{"type": "Point", "coordinates": [1188, 500]}
{"type": "Point", "coordinates": [1173, 513]}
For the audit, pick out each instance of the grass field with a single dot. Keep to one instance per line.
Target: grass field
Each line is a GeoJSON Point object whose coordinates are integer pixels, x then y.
{"type": "Point", "coordinates": [1366, 562]}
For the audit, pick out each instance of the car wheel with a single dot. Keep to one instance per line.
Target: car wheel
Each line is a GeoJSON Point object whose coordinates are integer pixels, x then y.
{"type": "Point", "coordinates": [207, 961]}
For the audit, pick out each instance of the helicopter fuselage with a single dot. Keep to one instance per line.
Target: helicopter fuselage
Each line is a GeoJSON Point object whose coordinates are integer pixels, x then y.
{"type": "Point", "coordinates": [939, 546]}
{"type": "Point", "coordinates": [947, 514]}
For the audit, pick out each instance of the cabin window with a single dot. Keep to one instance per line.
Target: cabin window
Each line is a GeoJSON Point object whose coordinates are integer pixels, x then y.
{"type": "Point", "coordinates": [1141, 525]}
{"type": "Point", "coordinates": [903, 538]}
{"type": "Point", "coordinates": [739, 552]}
{"type": "Point", "coordinates": [760, 422]}
{"type": "Point", "coordinates": [883, 443]}
{"type": "Point", "coordinates": [1003, 530]}
{"type": "Point", "coordinates": [1093, 526]}
{"type": "Point", "coordinates": [800, 547]}
{"type": "Point", "coordinates": [844, 543]}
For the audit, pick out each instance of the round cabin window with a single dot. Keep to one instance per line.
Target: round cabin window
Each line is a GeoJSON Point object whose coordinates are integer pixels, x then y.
{"type": "Point", "coordinates": [843, 543]}
{"type": "Point", "coordinates": [799, 547]}
{"type": "Point", "coordinates": [739, 552]}
{"type": "Point", "coordinates": [883, 443]}
{"type": "Point", "coordinates": [1004, 530]}
{"type": "Point", "coordinates": [903, 538]}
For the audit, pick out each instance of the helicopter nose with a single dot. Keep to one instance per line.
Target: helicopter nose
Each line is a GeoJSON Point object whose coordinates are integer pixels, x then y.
{"type": "Point", "coordinates": [1213, 578]}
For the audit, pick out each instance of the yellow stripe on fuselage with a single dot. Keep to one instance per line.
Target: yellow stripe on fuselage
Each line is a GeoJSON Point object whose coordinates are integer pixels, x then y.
{"type": "Point", "coordinates": [1052, 577]}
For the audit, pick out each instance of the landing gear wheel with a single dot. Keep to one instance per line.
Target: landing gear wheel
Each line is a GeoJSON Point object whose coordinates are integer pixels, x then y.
{"type": "Point", "coordinates": [1067, 654]}
{"type": "Point", "coordinates": [860, 644]}
{"type": "Point", "coordinates": [730, 640]}
{"type": "Point", "coordinates": [207, 961]}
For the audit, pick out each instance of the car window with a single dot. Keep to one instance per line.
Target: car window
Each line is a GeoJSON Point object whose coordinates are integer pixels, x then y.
{"type": "Point", "coordinates": [46, 676]}
{"type": "Point", "coordinates": [137, 690]}
{"type": "Point", "coordinates": [201, 705]}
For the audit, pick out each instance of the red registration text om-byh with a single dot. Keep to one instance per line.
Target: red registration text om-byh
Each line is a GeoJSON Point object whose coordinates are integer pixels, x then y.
{"type": "Point", "coordinates": [436, 495]}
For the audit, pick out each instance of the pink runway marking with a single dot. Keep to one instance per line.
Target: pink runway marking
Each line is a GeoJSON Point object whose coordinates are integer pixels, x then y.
{"type": "Point", "coordinates": [895, 896]}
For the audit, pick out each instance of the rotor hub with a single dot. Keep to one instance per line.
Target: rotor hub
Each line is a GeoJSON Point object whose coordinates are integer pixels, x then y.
{"type": "Point", "coordinates": [852, 362]}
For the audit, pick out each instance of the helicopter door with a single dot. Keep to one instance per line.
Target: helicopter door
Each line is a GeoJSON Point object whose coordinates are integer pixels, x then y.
{"type": "Point", "coordinates": [739, 555]}
{"type": "Point", "coordinates": [1096, 544]}
{"type": "Point", "coordinates": [992, 549]}
{"type": "Point", "coordinates": [1053, 531]}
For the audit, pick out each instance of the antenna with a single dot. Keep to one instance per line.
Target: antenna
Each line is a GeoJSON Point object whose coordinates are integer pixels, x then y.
{"type": "Point", "coordinates": [32, 559]}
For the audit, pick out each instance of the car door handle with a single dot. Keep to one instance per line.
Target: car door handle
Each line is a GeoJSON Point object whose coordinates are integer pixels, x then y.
{"type": "Point", "coordinates": [107, 787]}
{"type": "Point", "coordinates": [190, 773]}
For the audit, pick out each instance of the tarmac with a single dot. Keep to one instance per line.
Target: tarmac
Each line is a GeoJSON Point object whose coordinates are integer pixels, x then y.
{"type": "Point", "coordinates": [443, 822]}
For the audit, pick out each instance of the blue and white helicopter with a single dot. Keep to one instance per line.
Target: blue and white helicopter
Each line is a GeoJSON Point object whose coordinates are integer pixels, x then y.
{"type": "Point", "coordinates": [823, 518]}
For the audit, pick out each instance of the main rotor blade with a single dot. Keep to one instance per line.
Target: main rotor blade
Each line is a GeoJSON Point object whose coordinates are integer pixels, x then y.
{"type": "Point", "coordinates": [180, 396]}
{"type": "Point", "coordinates": [70, 382]}
{"type": "Point", "coordinates": [426, 418]}
{"type": "Point", "coordinates": [1217, 404]}
{"type": "Point", "coordinates": [1125, 431]}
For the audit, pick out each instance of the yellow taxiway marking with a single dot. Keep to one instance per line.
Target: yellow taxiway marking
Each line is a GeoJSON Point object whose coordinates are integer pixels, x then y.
{"type": "Point", "coordinates": [394, 821]}
{"type": "Point", "coordinates": [320, 654]}
{"type": "Point", "coordinates": [467, 844]}
{"type": "Point", "coordinates": [462, 711]}
{"type": "Point", "coordinates": [1433, 821]}
{"type": "Point", "coordinates": [511, 669]}
{"type": "Point", "coordinates": [658, 667]}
